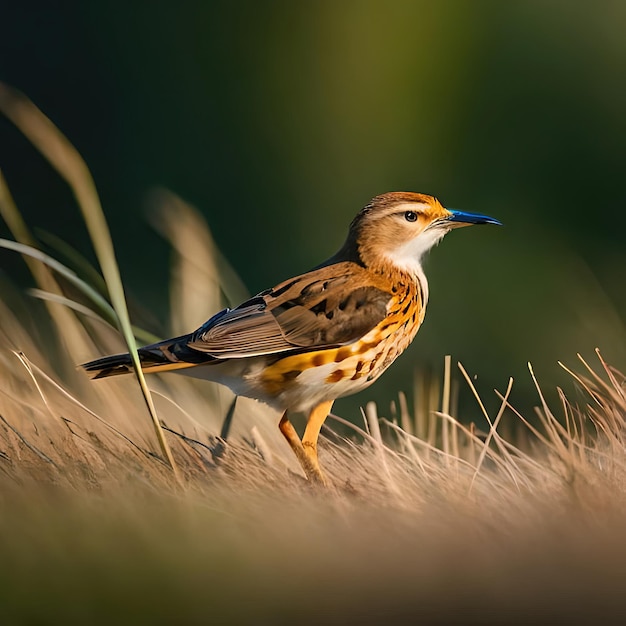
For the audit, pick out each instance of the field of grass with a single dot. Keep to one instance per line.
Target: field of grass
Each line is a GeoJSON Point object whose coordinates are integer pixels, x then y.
{"type": "Point", "coordinates": [176, 505]}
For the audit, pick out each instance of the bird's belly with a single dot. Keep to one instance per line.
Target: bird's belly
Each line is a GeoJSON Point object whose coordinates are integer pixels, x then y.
{"type": "Point", "coordinates": [241, 376]}
{"type": "Point", "coordinates": [303, 380]}
{"type": "Point", "coordinates": [300, 381]}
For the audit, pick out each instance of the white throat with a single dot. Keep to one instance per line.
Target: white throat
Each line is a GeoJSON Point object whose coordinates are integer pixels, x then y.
{"type": "Point", "coordinates": [408, 257]}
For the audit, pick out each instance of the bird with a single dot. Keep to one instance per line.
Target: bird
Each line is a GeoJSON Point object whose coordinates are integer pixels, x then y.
{"type": "Point", "coordinates": [321, 335]}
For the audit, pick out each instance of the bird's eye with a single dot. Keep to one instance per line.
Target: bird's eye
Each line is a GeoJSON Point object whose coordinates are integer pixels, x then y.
{"type": "Point", "coordinates": [410, 216]}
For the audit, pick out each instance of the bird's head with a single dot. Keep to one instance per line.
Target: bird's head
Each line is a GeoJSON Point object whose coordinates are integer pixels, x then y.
{"type": "Point", "coordinates": [400, 227]}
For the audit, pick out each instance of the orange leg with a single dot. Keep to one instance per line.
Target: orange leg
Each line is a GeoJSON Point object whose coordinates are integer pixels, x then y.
{"type": "Point", "coordinates": [290, 434]}
{"type": "Point", "coordinates": [317, 417]}
{"type": "Point", "coordinates": [306, 450]}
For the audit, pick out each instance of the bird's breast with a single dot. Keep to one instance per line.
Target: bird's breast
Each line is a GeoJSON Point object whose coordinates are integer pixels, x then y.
{"type": "Point", "coordinates": [298, 380]}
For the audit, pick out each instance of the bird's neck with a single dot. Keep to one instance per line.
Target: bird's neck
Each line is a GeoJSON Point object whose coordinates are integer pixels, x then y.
{"type": "Point", "coordinates": [393, 272]}
{"type": "Point", "coordinates": [397, 275]}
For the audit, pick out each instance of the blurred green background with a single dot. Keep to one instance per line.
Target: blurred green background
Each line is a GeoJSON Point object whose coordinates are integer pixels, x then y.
{"type": "Point", "coordinates": [278, 120]}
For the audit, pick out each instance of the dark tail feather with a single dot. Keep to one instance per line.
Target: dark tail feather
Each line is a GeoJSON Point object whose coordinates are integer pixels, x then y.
{"type": "Point", "coordinates": [108, 366]}
{"type": "Point", "coordinates": [159, 357]}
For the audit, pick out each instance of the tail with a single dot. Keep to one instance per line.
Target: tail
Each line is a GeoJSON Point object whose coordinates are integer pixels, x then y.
{"type": "Point", "coordinates": [172, 354]}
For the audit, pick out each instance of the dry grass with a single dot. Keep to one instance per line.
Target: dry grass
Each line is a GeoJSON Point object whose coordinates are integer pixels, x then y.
{"type": "Point", "coordinates": [426, 520]}
{"type": "Point", "coordinates": [96, 528]}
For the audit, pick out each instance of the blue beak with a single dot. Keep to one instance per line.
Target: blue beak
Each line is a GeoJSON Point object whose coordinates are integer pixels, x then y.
{"type": "Point", "coordinates": [471, 218]}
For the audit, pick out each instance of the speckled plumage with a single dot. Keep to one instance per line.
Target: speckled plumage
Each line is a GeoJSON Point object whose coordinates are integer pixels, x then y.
{"type": "Point", "coordinates": [322, 335]}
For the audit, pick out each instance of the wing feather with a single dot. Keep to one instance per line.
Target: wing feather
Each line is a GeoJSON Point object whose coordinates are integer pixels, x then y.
{"type": "Point", "coordinates": [331, 306]}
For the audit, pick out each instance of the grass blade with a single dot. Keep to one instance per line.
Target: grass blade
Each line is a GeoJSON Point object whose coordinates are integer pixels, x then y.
{"type": "Point", "coordinates": [54, 146]}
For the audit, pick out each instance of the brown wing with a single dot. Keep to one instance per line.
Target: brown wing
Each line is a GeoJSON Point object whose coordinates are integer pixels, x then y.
{"type": "Point", "coordinates": [331, 306]}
